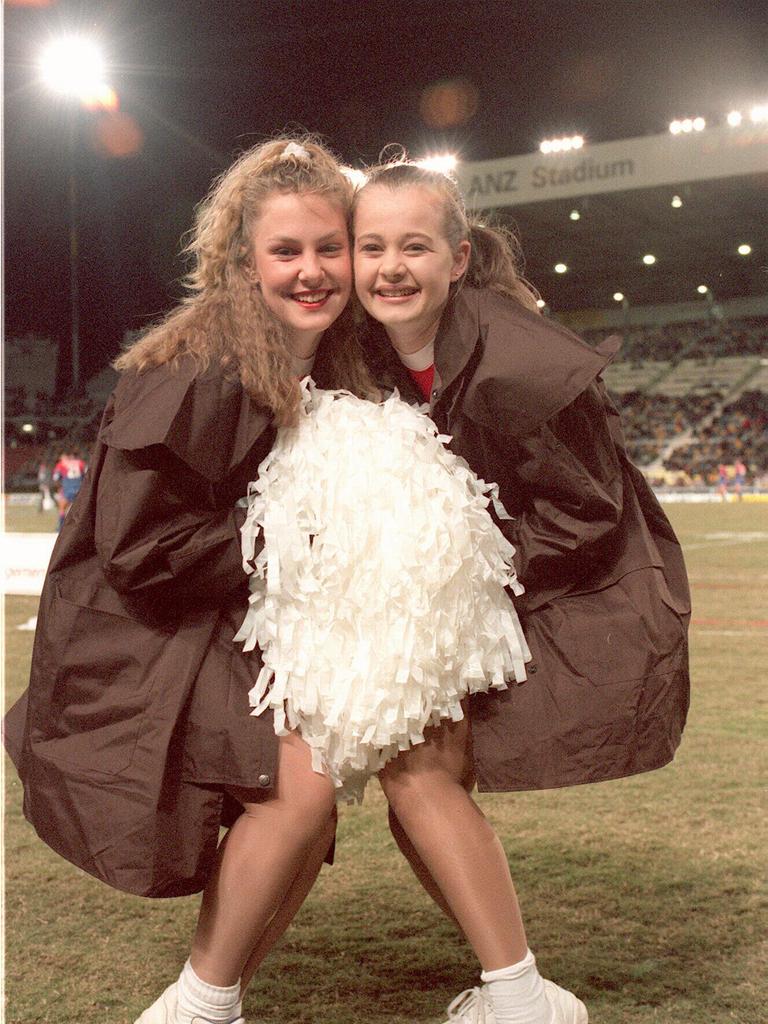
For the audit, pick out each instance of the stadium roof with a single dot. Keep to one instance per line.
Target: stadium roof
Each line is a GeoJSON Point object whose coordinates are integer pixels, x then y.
{"type": "Point", "coordinates": [695, 243]}
{"type": "Point", "coordinates": [685, 204]}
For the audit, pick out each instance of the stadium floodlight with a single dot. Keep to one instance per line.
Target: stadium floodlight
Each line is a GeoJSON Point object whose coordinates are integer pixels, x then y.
{"type": "Point", "coordinates": [649, 259]}
{"type": "Point", "coordinates": [443, 163]}
{"type": "Point", "coordinates": [618, 296]}
{"type": "Point", "coordinates": [561, 268]}
{"type": "Point", "coordinates": [355, 175]}
{"type": "Point", "coordinates": [759, 113]}
{"type": "Point", "coordinates": [734, 118]}
{"type": "Point", "coordinates": [574, 215]}
{"type": "Point", "coordinates": [744, 249]}
{"type": "Point", "coordinates": [687, 125]}
{"type": "Point", "coordinates": [677, 202]}
{"type": "Point", "coordinates": [73, 66]}
{"type": "Point", "coordinates": [562, 145]}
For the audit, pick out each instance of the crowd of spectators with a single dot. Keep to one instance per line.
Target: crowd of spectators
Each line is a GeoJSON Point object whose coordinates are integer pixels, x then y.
{"type": "Point", "coordinates": [738, 434]}
{"type": "Point", "coordinates": [715, 444]}
{"type": "Point", "coordinates": [699, 339]}
{"type": "Point", "coordinates": [651, 421]}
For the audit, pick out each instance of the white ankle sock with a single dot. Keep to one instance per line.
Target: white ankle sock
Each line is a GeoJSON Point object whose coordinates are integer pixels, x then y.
{"type": "Point", "coordinates": [199, 1000]}
{"type": "Point", "coordinates": [517, 993]}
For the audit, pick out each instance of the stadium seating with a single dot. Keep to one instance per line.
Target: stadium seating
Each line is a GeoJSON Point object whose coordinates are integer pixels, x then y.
{"type": "Point", "coordinates": [692, 396]}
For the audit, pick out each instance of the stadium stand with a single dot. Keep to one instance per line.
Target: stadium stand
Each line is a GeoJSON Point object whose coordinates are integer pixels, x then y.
{"type": "Point", "coordinates": [700, 405]}
{"type": "Point", "coordinates": [690, 400]}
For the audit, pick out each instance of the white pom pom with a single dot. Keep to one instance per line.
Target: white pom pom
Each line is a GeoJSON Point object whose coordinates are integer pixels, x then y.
{"type": "Point", "coordinates": [379, 599]}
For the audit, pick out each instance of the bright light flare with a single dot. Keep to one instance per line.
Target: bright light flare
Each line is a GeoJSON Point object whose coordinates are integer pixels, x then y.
{"type": "Point", "coordinates": [758, 114]}
{"type": "Point", "coordinates": [73, 66]}
{"type": "Point", "coordinates": [540, 303]}
{"type": "Point", "coordinates": [735, 118]}
{"type": "Point", "coordinates": [702, 289]}
{"type": "Point", "coordinates": [441, 163]}
{"type": "Point", "coordinates": [618, 296]}
{"type": "Point", "coordinates": [744, 249]}
{"type": "Point", "coordinates": [103, 98]}
{"type": "Point", "coordinates": [561, 268]}
{"type": "Point", "coordinates": [649, 259]}
{"type": "Point", "coordinates": [574, 215]}
{"type": "Point", "coordinates": [676, 202]}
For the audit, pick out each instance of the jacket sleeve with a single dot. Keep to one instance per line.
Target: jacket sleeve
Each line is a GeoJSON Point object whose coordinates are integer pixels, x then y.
{"type": "Point", "coordinates": [566, 488]}
{"type": "Point", "coordinates": [160, 534]}
{"type": "Point", "coordinates": [165, 526]}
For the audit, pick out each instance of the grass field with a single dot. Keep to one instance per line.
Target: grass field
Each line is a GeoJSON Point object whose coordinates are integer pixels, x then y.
{"type": "Point", "coordinates": [643, 895]}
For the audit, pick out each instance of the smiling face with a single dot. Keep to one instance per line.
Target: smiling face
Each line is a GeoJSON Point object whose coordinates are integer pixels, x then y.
{"type": "Point", "coordinates": [404, 264]}
{"type": "Point", "coordinates": [301, 262]}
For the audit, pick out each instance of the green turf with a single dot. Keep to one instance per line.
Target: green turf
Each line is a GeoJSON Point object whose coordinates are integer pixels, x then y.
{"type": "Point", "coordinates": [643, 895]}
{"type": "Point", "coordinates": [25, 519]}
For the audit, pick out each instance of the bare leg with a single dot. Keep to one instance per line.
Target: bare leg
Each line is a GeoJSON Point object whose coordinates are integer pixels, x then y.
{"type": "Point", "coordinates": [408, 850]}
{"type": "Point", "coordinates": [455, 843]}
{"type": "Point", "coordinates": [259, 863]}
{"type": "Point", "coordinates": [292, 902]}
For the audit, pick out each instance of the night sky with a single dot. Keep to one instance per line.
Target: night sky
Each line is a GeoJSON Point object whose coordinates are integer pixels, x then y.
{"type": "Point", "coordinates": [199, 80]}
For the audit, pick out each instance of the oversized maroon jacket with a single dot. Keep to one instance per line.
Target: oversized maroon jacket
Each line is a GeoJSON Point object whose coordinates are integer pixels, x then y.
{"type": "Point", "coordinates": [607, 604]}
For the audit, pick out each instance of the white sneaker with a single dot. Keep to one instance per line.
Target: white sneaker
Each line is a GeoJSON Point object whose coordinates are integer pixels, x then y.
{"type": "Point", "coordinates": [163, 1011]}
{"type": "Point", "coordinates": [473, 1006]}
{"type": "Point", "coordinates": [566, 1007]}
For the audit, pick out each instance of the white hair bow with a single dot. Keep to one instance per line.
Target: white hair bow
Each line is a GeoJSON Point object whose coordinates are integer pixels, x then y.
{"type": "Point", "coordinates": [294, 149]}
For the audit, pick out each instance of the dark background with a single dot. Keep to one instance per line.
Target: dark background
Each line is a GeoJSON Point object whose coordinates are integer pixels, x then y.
{"type": "Point", "coordinates": [199, 81]}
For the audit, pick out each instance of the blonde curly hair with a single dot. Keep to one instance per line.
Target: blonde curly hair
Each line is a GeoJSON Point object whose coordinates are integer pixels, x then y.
{"type": "Point", "coordinates": [224, 318]}
{"type": "Point", "coordinates": [495, 258]}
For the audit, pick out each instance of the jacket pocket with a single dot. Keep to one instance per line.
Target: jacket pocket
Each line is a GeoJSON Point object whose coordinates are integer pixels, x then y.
{"type": "Point", "coordinates": [98, 673]}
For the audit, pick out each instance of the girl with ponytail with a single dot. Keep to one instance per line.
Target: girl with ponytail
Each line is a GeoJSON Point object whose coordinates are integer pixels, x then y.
{"type": "Point", "coordinates": [135, 740]}
{"type": "Point", "coordinates": [452, 322]}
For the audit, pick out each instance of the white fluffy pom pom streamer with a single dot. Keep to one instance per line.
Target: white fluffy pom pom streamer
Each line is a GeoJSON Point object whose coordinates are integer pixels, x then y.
{"type": "Point", "coordinates": [379, 597]}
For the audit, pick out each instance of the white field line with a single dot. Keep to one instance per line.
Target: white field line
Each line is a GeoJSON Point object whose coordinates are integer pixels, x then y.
{"type": "Point", "coordinates": [720, 544]}
{"type": "Point", "coordinates": [727, 632]}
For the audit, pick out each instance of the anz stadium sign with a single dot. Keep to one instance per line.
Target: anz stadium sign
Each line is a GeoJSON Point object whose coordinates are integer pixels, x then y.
{"type": "Point", "coordinates": [615, 167]}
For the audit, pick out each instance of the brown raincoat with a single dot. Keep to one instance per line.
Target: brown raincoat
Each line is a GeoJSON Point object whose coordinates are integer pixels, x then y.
{"type": "Point", "coordinates": [607, 605]}
{"type": "Point", "coordinates": [137, 710]}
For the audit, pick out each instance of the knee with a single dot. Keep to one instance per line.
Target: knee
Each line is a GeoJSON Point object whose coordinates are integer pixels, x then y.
{"type": "Point", "coordinates": [443, 763]}
{"type": "Point", "coordinates": [310, 802]}
{"type": "Point", "coordinates": [408, 789]}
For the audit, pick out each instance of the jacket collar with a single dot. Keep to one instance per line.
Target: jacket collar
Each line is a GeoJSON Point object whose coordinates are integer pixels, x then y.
{"type": "Point", "coordinates": [457, 336]}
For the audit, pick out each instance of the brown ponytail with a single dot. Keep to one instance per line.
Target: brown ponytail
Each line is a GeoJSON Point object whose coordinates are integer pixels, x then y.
{"type": "Point", "coordinates": [495, 261]}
